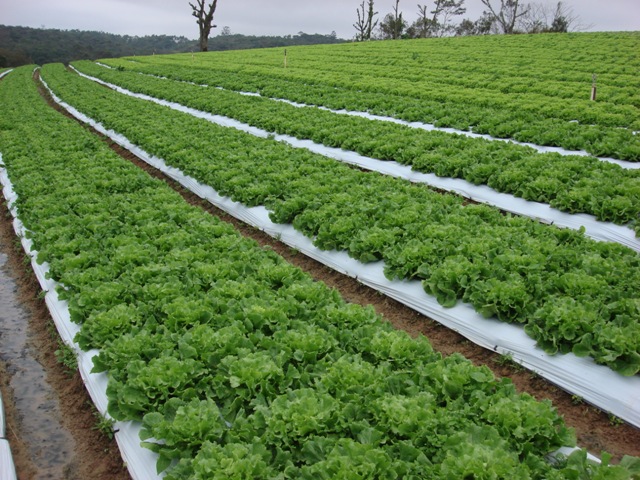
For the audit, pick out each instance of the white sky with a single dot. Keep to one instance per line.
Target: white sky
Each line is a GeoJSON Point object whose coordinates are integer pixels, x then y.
{"type": "Point", "coordinates": [261, 17]}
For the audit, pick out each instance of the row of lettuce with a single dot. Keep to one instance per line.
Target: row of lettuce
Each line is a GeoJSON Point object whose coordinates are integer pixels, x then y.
{"type": "Point", "coordinates": [601, 128]}
{"type": "Point", "coordinates": [569, 292]}
{"type": "Point", "coordinates": [572, 184]}
{"type": "Point", "coordinates": [594, 129]}
{"type": "Point", "coordinates": [443, 62]}
{"type": "Point", "coordinates": [548, 68]}
{"type": "Point", "coordinates": [555, 66]}
{"type": "Point", "coordinates": [238, 364]}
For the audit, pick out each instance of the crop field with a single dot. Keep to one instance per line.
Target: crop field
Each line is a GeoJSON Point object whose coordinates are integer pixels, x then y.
{"type": "Point", "coordinates": [229, 362]}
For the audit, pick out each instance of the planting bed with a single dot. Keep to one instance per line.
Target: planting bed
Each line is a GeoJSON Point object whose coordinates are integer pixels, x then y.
{"type": "Point", "coordinates": [229, 362]}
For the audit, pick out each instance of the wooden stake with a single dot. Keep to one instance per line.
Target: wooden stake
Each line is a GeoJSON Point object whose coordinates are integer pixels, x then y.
{"type": "Point", "coordinates": [593, 88]}
{"type": "Point", "coordinates": [285, 58]}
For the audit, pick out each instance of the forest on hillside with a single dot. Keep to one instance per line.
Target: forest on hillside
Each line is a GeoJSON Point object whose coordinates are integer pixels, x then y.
{"type": "Point", "coordinates": [25, 45]}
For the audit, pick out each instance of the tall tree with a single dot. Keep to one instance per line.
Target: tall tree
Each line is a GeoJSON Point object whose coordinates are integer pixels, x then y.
{"type": "Point", "coordinates": [423, 26]}
{"type": "Point", "coordinates": [507, 17]}
{"type": "Point", "coordinates": [443, 14]}
{"type": "Point", "coordinates": [439, 21]}
{"type": "Point", "coordinates": [204, 19]}
{"type": "Point", "coordinates": [399, 24]}
{"type": "Point", "coordinates": [543, 18]}
{"type": "Point", "coordinates": [365, 24]}
{"type": "Point", "coordinates": [482, 26]}
{"type": "Point", "coordinates": [393, 25]}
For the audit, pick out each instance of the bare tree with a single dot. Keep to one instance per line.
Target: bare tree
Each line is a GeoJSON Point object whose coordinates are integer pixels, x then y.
{"type": "Point", "coordinates": [536, 19]}
{"type": "Point", "coordinates": [365, 24]}
{"type": "Point", "coordinates": [398, 23]}
{"type": "Point", "coordinates": [443, 15]}
{"type": "Point", "coordinates": [507, 17]}
{"type": "Point", "coordinates": [204, 19]}
{"type": "Point", "coordinates": [439, 22]}
{"type": "Point", "coordinates": [423, 25]}
{"type": "Point", "coordinates": [565, 20]}
{"type": "Point", "coordinates": [392, 25]}
{"type": "Point", "coordinates": [542, 18]}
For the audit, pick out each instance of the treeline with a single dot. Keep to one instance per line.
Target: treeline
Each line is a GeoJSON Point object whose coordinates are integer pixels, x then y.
{"type": "Point", "coordinates": [437, 18]}
{"type": "Point", "coordinates": [232, 41]}
{"type": "Point", "coordinates": [25, 45]}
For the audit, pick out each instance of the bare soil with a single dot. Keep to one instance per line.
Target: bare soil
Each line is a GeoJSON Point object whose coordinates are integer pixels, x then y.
{"type": "Point", "coordinates": [95, 456]}
{"type": "Point", "coordinates": [79, 452]}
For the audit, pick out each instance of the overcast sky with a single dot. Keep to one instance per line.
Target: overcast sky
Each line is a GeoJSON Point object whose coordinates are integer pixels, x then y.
{"type": "Point", "coordinates": [261, 17]}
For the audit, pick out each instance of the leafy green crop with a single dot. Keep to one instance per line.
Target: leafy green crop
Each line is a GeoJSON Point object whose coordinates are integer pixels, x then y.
{"type": "Point", "coordinates": [509, 267]}
{"type": "Point", "coordinates": [238, 364]}
{"type": "Point", "coordinates": [478, 83]}
{"type": "Point", "coordinates": [571, 184]}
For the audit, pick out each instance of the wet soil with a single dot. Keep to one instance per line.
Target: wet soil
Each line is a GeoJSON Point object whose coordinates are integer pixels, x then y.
{"type": "Point", "coordinates": [49, 415]}
{"type": "Point", "coordinates": [94, 456]}
{"type": "Point", "coordinates": [34, 400]}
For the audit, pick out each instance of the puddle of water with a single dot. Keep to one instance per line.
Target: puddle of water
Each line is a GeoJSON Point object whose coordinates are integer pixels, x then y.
{"type": "Point", "coordinates": [50, 445]}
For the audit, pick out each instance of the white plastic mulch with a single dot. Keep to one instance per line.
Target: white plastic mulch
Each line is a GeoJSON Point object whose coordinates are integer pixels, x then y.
{"type": "Point", "coordinates": [603, 231]}
{"type": "Point", "coordinates": [594, 383]}
{"type": "Point", "coordinates": [139, 460]}
{"type": "Point", "coordinates": [7, 468]}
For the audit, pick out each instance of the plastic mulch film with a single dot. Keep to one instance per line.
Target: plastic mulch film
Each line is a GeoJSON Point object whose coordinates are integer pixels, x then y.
{"type": "Point", "coordinates": [3, 424]}
{"type": "Point", "coordinates": [140, 461]}
{"type": "Point", "coordinates": [432, 128]}
{"type": "Point", "coordinates": [7, 467]}
{"type": "Point", "coordinates": [602, 231]}
{"type": "Point", "coordinates": [596, 384]}
{"type": "Point", "coordinates": [417, 125]}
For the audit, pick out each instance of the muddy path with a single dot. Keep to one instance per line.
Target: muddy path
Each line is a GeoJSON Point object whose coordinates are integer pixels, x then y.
{"type": "Point", "coordinates": [32, 397]}
{"type": "Point", "coordinates": [51, 422]}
